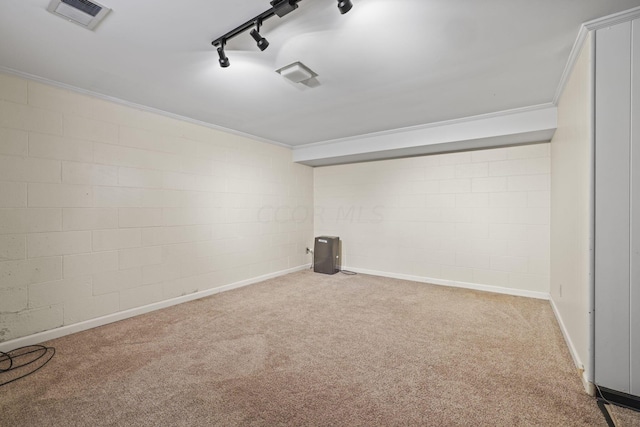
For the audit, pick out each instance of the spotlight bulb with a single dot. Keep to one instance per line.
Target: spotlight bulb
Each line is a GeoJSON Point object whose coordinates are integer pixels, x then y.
{"type": "Point", "coordinates": [344, 6]}
{"type": "Point", "coordinates": [261, 41]}
{"type": "Point", "coordinates": [224, 61]}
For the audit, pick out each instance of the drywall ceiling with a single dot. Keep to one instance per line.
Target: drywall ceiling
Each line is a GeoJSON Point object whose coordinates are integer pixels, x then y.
{"type": "Point", "coordinates": [385, 65]}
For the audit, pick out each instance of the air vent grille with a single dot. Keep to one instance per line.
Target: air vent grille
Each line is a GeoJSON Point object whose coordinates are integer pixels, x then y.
{"type": "Point", "coordinates": [84, 6]}
{"type": "Point", "coordinates": [85, 13]}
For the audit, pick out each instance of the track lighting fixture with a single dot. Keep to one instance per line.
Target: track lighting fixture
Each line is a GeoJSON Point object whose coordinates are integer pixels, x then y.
{"type": "Point", "coordinates": [283, 7]}
{"type": "Point", "coordinates": [224, 61]}
{"type": "Point", "coordinates": [279, 8]}
{"type": "Point", "coordinates": [261, 41]}
{"type": "Point", "coordinates": [344, 6]}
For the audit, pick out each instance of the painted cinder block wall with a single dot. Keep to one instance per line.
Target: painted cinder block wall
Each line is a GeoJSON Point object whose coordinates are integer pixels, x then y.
{"type": "Point", "coordinates": [572, 196]}
{"type": "Point", "coordinates": [105, 208]}
{"type": "Point", "coordinates": [475, 219]}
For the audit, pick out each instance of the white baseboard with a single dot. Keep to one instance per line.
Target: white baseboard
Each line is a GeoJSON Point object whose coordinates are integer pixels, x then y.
{"type": "Point", "coordinates": [584, 375]}
{"type": "Point", "coordinates": [455, 284]}
{"type": "Point", "coordinates": [121, 315]}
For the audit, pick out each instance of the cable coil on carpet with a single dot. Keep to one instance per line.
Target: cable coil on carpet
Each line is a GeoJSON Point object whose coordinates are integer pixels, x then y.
{"type": "Point", "coordinates": [31, 358]}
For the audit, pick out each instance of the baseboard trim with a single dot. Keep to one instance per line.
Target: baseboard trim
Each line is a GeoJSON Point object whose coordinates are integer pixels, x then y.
{"type": "Point", "coordinates": [454, 284]}
{"type": "Point", "coordinates": [584, 375]}
{"type": "Point", "coordinates": [41, 337]}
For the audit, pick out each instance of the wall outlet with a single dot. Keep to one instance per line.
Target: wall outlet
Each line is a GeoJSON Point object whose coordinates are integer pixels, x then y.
{"type": "Point", "coordinates": [308, 250]}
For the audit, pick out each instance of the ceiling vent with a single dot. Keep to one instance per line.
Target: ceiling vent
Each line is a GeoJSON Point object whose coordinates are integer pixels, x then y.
{"type": "Point", "coordinates": [297, 72]}
{"type": "Point", "coordinates": [85, 13]}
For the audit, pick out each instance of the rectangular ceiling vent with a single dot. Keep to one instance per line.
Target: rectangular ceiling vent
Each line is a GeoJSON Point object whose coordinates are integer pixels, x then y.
{"type": "Point", "coordinates": [82, 12]}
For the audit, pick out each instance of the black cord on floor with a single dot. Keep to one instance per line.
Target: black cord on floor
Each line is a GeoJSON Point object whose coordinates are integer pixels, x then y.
{"type": "Point", "coordinates": [604, 404]}
{"type": "Point", "coordinates": [348, 273]}
{"type": "Point", "coordinates": [603, 408]}
{"type": "Point", "coordinates": [19, 358]}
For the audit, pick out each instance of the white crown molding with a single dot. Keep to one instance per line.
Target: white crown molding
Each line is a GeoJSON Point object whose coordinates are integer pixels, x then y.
{"type": "Point", "coordinates": [616, 18]}
{"type": "Point", "coordinates": [571, 62]}
{"type": "Point", "coordinates": [457, 121]}
{"type": "Point", "coordinates": [584, 31]}
{"type": "Point", "coordinates": [513, 127]}
{"type": "Point", "coordinates": [137, 106]}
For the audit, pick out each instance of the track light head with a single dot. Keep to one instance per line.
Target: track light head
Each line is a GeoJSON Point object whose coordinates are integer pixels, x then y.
{"type": "Point", "coordinates": [284, 7]}
{"type": "Point", "coordinates": [261, 41]}
{"type": "Point", "coordinates": [224, 61]}
{"type": "Point", "coordinates": [344, 6]}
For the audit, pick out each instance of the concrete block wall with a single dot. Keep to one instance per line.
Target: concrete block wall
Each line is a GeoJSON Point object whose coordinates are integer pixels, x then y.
{"type": "Point", "coordinates": [572, 198]}
{"type": "Point", "coordinates": [105, 208]}
{"type": "Point", "coordinates": [478, 218]}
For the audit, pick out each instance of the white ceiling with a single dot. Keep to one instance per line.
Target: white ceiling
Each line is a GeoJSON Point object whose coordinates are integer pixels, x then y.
{"type": "Point", "coordinates": [385, 65]}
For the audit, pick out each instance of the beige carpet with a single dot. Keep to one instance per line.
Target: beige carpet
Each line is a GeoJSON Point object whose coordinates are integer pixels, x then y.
{"type": "Point", "coordinates": [314, 350]}
{"type": "Point", "coordinates": [623, 417]}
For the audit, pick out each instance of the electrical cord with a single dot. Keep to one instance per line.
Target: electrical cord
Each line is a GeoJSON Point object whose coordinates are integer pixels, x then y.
{"type": "Point", "coordinates": [15, 359]}
{"type": "Point", "coordinates": [602, 403]}
{"type": "Point", "coordinates": [348, 273]}
{"type": "Point", "coordinates": [600, 396]}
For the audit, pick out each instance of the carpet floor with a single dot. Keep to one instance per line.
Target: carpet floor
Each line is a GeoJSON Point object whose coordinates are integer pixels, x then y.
{"type": "Point", "coordinates": [623, 417]}
{"type": "Point", "coordinates": [314, 350]}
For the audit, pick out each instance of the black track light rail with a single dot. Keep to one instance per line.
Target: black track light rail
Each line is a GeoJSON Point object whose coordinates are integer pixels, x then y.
{"type": "Point", "coordinates": [278, 7]}
{"type": "Point", "coordinates": [289, 6]}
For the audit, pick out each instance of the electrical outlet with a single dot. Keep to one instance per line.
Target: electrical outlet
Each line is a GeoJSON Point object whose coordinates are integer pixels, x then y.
{"type": "Point", "coordinates": [308, 250]}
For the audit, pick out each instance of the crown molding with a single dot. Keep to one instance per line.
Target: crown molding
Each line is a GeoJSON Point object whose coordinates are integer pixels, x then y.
{"type": "Point", "coordinates": [458, 121]}
{"type": "Point", "coordinates": [513, 127]}
{"type": "Point", "coordinates": [133, 105]}
{"type": "Point", "coordinates": [616, 18]}
{"type": "Point", "coordinates": [571, 62]}
{"type": "Point", "coordinates": [583, 33]}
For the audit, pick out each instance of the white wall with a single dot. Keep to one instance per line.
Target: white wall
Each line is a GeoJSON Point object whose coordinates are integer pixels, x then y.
{"type": "Point", "coordinates": [478, 218]}
{"type": "Point", "coordinates": [105, 208]}
{"type": "Point", "coordinates": [571, 159]}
